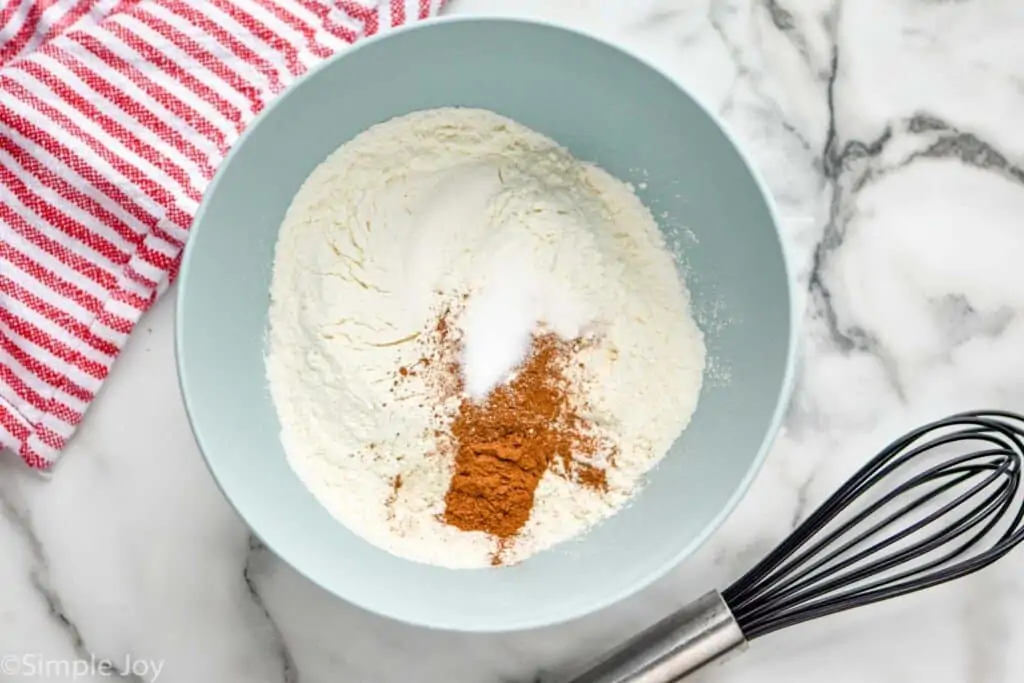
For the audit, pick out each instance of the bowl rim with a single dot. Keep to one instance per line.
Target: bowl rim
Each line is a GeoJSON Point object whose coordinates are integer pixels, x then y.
{"type": "Point", "coordinates": [768, 439]}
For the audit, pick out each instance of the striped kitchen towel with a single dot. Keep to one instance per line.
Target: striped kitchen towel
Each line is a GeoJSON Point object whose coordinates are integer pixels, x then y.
{"type": "Point", "coordinates": [114, 115]}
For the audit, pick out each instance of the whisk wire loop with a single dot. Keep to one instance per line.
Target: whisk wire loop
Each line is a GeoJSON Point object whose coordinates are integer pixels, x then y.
{"type": "Point", "coordinates": [896, 544]}
{"type": "Point", "coordinates": [802, 586]}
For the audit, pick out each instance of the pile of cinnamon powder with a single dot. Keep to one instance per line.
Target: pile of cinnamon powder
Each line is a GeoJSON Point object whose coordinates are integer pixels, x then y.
{"type": "Point", "coordinates": [503, 445]}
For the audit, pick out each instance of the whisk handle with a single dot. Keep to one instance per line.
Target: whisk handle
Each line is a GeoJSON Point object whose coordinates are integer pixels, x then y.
{"type": "Point", "coordinates": [698, 634]}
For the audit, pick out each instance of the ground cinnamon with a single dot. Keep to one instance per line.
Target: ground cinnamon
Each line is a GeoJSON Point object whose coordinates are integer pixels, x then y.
{"type": "Point", "coordinates": [396, 484]}
{"type": "Point", "coordinates": [502, 446]}
{"type": "Point", "coordinates": [505, 444]}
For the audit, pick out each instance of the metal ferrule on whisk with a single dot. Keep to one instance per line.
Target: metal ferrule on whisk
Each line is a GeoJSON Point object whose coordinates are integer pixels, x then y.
{"type": "Point", "coordinates": [700, 633]}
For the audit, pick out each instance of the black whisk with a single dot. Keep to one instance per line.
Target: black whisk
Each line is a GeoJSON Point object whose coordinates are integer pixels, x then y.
{"type": "Point", "coordinates": [939, 503]}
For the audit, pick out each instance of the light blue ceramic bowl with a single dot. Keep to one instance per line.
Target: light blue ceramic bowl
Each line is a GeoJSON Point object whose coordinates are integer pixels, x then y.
{"type": "Point", "coordinates": [606, 106]}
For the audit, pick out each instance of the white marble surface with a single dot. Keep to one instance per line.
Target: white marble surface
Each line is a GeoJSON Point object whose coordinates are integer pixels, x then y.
{"type": "Point", "coordinates": [891, 134]}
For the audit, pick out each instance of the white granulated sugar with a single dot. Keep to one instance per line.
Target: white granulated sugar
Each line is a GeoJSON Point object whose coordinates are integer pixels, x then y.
{"type": "Point", "coordinates": [498, 325]}
{"type": "Point", "coordinates": [463, 203]}
{"type": "Point", "coordinates": [518, 291]}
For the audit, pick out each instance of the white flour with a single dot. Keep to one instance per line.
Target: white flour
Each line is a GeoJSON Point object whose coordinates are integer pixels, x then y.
{"type": "Point", "coordinates": [440, 202]}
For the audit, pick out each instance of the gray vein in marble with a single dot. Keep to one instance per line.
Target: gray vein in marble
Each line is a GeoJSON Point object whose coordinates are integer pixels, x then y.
{"type": "Point", "coordinates": [963, 322]}
{"type": "Point", "coordinates": [839, 161]}
{"type": "Point", "coordinates": [967, 147]}
{"type": "Point", "coordinates": [832, 166]}
{"type": "Point", "coordinates": [539, 677]}
{"type": "Point", "coordinates": [781, 17]}
{"type": "Point", "coordinates": [40, 579]}
{"type": "Point", "coordinates": [289, 671]}
{"type": "Point", "coordinates": [745, 72]}
{"type": "Point", "coordinates": [734, 52]}
{"type": "Point", "coordinates": [784, 21]}
{"type": "Point", "coordinates": [838, 165]}
{"type": "Point", "coordinates": [802, 502]}
{"type": "Point", "coordinates": [657, 17]}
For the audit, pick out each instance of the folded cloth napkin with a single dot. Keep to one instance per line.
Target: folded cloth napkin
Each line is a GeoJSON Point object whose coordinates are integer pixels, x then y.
{"type": "Point", "coordinates": [114, 115]}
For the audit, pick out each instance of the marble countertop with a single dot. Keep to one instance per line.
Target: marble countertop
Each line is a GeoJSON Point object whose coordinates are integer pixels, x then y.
{"type": "Point", "coordinates": [889, 132]}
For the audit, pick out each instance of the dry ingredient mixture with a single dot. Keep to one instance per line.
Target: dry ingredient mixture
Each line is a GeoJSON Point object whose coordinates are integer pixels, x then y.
{"type": "Point", "coordinates": [478, 345]}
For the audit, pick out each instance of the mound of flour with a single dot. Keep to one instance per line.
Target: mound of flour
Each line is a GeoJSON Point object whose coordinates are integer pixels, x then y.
{"type": "Point", "coordinates": [464, 203]}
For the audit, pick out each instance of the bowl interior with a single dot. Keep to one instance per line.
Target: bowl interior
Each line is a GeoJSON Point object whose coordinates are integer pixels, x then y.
{"type": "Point", "coordinates": [606, 107]}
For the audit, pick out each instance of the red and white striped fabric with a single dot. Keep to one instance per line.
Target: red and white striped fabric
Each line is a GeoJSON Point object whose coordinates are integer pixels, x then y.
{"type": "Point", "coordinates": [113, 117]}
